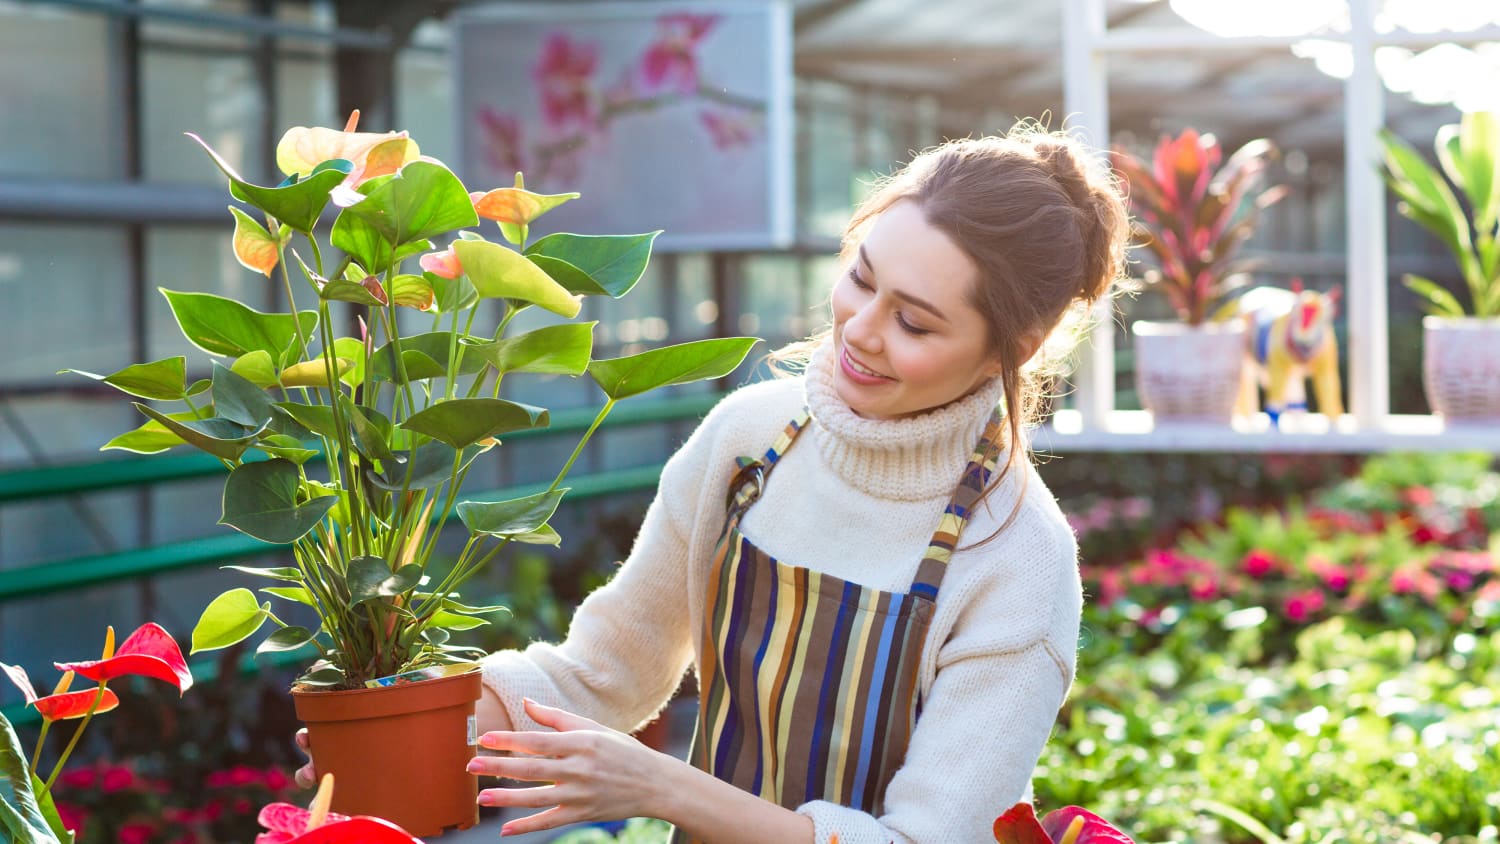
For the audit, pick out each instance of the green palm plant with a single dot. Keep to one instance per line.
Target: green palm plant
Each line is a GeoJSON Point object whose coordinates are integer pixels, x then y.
{"type": "Point", "coordinates": [1468, 153]}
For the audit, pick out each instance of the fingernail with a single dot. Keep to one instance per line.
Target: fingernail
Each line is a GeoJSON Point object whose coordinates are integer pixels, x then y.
{"type": "Point", "coordinates": [505, 830]}
{"type": "Point", "coordinates": [475, 767]}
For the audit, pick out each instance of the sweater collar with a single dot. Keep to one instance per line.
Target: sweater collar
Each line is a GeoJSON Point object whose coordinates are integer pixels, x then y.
{"type": "Point", "coordinates": [918, 457]}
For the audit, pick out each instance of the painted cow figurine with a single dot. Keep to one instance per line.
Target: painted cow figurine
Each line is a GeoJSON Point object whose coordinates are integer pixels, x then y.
{"type": "Point", "coordinates": [1290, 338]}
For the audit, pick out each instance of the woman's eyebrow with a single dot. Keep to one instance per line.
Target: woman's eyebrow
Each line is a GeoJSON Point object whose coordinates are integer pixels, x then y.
{"type": "Point", "coordinates": [915, 301]}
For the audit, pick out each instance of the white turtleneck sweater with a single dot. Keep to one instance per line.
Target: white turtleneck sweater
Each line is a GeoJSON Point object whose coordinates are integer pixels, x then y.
{"type": "Point", "coordinates": [858, 499]}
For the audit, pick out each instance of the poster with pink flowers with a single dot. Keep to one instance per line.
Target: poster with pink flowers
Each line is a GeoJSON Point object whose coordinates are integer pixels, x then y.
{"type": "Point", "coordinates": [663, 115]}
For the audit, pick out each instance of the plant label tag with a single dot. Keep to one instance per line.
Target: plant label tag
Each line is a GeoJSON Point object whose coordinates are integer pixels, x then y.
{"type": "Point", "coordinates": [473, 731]}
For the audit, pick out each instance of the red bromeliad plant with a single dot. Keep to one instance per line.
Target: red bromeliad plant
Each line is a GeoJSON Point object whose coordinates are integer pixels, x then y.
{"type": "Point", "coordinates": [288, 824]}
{"type": "Point", "coordinates": [1188, 210]}
{"type": "Point", "coordinates": [28, 814]}
{"type": "Point", "coordinates": [1068, 825]}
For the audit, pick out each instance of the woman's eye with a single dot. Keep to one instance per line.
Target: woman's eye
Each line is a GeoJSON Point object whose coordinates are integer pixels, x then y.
{"type": "Point", "coordinates": [909, 328]}
{"type": "Point", "coordinates": [858, 282]}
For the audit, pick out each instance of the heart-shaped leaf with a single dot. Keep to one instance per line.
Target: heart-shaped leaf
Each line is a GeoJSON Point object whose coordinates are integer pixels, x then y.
{"type": "Point", "coordinates": [431, 465]}
{"type": "Point", "coordinates": [463, 422]}
{"type": "Point", "coordinates": [232, 617]}
{"type": "Point", "coordinates": [424, 356]}
{"type": "Point", "coordinates": [498, 272]}
{"type": "Point", "coordinates": [510, 518]}
{"type": "Point", "coordinates": [287, 638]}
{"type": "Point", "coordinates": [151, 437]}
{"type": "Point", "coordinates": [254, 247]}
{"type": "Point", "coordinates": [370, 578]}
{"type": "Point", "coordinates": [423, 200]}
{"type": "Point", "coordinates": [20, 816]}
{"type": "Point", "coordinates": [260, 500]}
{"type": "Point", "coordinates": [298, 594]}
{"type": "Point", "coordinates": [223, 326]}
{"type": "Point", "coordinates": [455, 621]}
{"type": "Point", "coordinates": [298, 205]}
{"type": "Point", "coordinates": [680, 364]}
{"type": "Point", "coordinates": [317, 418]}
{"type": "Point", "coordinates": [555, 349]}
{"type": "Point", "coordinates": [257, 368]}
{"type": "Point", "coordinates": [217, 436]}
{"type": "Point", "coordinates": [162, 380]}
{"type": "Point", "coordinates": [238, 400]}
{"type": "Point", "coordinates": [611, 264]}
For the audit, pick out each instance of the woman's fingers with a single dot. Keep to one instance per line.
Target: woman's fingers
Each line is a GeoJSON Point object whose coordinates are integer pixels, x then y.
{"type": "Point", "coordinates": [534, 742]}
{"type": "Point", "coordinates": [524, 768]}
{"type": "Point", "coordinates": [550, 819]}
{"type": "Point", "coordinates": [536, 797]}
{"type": "Point", "coordinates": [558, 719]}
{"type": "Point", "coordinates": [305, 776]}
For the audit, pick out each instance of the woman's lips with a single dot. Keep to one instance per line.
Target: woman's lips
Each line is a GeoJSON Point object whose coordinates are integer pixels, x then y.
{"type": "Point", "coordinates": [854, 373]}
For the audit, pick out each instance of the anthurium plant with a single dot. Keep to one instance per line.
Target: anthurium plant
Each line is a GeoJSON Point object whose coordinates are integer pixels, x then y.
{"type": "Point", "coordinates": [288, 824]}
{"type": "Point", "coordinates": [1192, 214]}
{"type": "Point", "coordinates": [28, 814]}
{"type": "Point", "coordinates": [1068, 825]}
{"type": "Point", "coordinates": [353, 448]}
{"type": "Point", "coordinates": [1468, 153]}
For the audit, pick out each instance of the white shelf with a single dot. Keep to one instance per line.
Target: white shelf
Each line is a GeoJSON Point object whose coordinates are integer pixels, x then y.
{"type": "Point", "coordinates": [1135, 430]}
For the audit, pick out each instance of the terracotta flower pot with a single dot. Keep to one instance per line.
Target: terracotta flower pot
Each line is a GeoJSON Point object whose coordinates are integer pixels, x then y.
{"type": "Point", "coordinates": [1189, 373]}
{"type": "Point", "coordinates": [1461, 368]}
{"type": "Point", "coordinates": [399, 752]}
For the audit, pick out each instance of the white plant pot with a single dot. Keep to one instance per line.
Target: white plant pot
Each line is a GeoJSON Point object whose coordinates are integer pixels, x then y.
{"type": "Point", "coordinates": [1189, 373]}
{"type": "Point", "coordinates": [1461, 367]}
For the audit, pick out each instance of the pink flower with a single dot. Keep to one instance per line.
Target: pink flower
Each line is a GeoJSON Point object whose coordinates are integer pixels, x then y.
{"type": "Point", "coordinates": [136, 833]}
{"type": "Point", "coordinates": [1258, 564]}
{"type": "Point", "coordinates": [563, 74]}
{"type": "Point", "coordinates": [117, 778]}
{"type": "Point", "coordinates": [1334, 576]}
{"type": "Point", "coordinates": [1459, 580]}
{"type": "Point", "coordinates": [727, 129]}
{"type": "Point", "coordinates": [1300, 606]}
{"type": "Point", "coordinates": [81, 778]}
{"type": "Point", "coordinates": [1418, 496]}
{"type": "Point", "coordinates": [443, 264]}
{"type": "Point", "coordinates": [671, 62]}
{"type": "Point", "coordinates": [71, 817]}
{"type": "Point", "coordinates": [1202, 589]}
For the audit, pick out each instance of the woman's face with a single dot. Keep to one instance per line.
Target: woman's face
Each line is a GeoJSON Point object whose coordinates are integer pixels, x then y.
{"type": "Point", "coordinates": [906, 338]}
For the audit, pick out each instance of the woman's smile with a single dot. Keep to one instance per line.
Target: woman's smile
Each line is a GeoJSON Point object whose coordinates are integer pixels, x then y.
{"type": "Point", "coordinates": [857, 371]}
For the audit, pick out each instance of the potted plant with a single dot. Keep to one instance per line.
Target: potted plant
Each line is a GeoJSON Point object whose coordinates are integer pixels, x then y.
{"type": "Point", "coordinates": [1192, 215]}
{"type": "Point", "coordinates": [1461, 348]}
{"type": "Point", "coordinates": [28, 813]}
{"type": "Point", "coordinates": [351, 449]}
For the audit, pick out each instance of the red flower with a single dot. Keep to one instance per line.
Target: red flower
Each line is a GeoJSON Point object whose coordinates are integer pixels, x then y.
{"type": "Point", "coordinates": [137, 833]}
{"type": "Point", "coordinates": [288, 824]}
{"type": "Point", "coordinates": [1418, 496]}
{"type": "Point", "coordinates": [670, 61]}
{"type": "Point", "coordinates": [116, 778]}
{"type": "Point", "coordinates": [1300, 606]}
{"type": "Point", "coordinates": [62, 704]}
{"type": "Point", "coordinates": [1258, 564]}
{"type": "Point", "coordinates": [71, 817]}
{"type": "Point", "coordinates": [149, 652]}
{"type": "Point", "coordinates": [727, 129]}
{"type": "Point", "coordinates": [1068, 825]}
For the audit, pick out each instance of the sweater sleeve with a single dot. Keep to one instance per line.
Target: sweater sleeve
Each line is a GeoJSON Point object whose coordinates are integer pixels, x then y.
{"type": "Point", "coordinates": [971, 755]}
{"type": "Point", "coordinates": [629, 642]}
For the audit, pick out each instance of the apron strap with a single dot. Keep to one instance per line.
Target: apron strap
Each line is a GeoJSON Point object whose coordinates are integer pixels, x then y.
{"type": "Point", "coordinates": [956, 515]}
{"type": "Point", "coordinates": [750, 479]}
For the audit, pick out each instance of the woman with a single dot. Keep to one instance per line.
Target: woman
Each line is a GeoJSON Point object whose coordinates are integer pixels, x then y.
{"type": "Point", "coordinates": [879, 596]}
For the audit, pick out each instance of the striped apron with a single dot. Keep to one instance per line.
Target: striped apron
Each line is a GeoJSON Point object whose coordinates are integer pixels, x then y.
{"type": "Point", "coordinates": [808, 683]}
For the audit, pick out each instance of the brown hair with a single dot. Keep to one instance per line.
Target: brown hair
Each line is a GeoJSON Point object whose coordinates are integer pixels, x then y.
{"type": "Point", "coordinates": [1042, 218]}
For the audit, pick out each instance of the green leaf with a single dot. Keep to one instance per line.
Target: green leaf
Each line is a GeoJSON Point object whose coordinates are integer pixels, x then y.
{"type": "Point", "coordinates": [162, 380]}
{"type": "Point", "coordinates": [372, 430]}
{"type": "Point", "coordinates": [370, 578]}
{"type": "Point", "coordinates": [217, 436]}
{"type": "Point", "coordinates": [455, 621]}
{"type": "Point", "coordinates": [317, 418]}
{"type": "Point", "coordinates": [239, 400]}
{"type": "Point", "coordinates": [361, 239]}
{"type": "Point", "coordinates": [351, 349]}
{"type": "Point", "coordinates": [612, 264]}
{"type": "Point", "coordinates": [260, 500]}
{"type": "Point", "coordinates": [288, 447]}
{"type": "Point", "coordinates": [680, 364]}
{"type": "Point", "coordinates": [287, 638]}
{"type": "Point", "coordinates": [257, 368]}
{"type": "Point", "coordinates": [150, 438]}
{"type": "Point", "coordinates": [412, 291]}
{"type": "Point", "coordinates": [230, 618]}
{"type": "Point", "coordinates": [501, 273]}
{"type": "Point", "coordinates": [432, 466]}
{"type": "Point", "coordinates": [49, 810]}
{"type": "Point", "coordinates": [275, 573]}
{"type": "Point", "coordinates": [298, 205]}
{"type": "Point", "coordinates": [422, 200]}
{"type": "Point", "coordinates": [449, 603]}
{"type": "Point", "coordinates": [510, 518]}
{"type": "Point", "coordinates": [556, 349]}
{"type": "Point", "coordinates": [452, 294]}
{"type": "Point", "coordinates": [1439, 300]}
{"type": "Point", "coordinates": [299, 594]}
{"type": "Point", "coordinates": [463, 422]}
{"type": "Point", "coordinates": [20, 816]}
{"type": "Point", "coordinates": [1479, 146]}
{"type": "Point", "coordinates": [339, 290]}
{"type": "Point", "coordinates": [424, 356]}
{"type": "Point", "coordinates": [328, 675]}
{"type": "Point", "coordinates": [543, 535]}
{"type": "Point", "coordinates": [223, 326]}
{"type": "Point", "coordinates": [1415, 181]}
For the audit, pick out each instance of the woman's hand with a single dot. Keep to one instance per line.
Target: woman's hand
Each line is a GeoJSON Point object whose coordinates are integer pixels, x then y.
{"type": "Point", "coordinates": [593, 773]}
{"type": "Point", "coordinates": [306, 776]}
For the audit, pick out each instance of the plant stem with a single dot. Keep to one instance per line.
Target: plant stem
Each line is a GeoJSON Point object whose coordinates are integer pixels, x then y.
{"type": "Point", "coordinates": [341, 428]}
{"type": "Point", "coordinates": [36, 756]}
{"type": "Point", "coordinates": [609, 405]}
{"type": "Point", "coordinates": [78, 733]}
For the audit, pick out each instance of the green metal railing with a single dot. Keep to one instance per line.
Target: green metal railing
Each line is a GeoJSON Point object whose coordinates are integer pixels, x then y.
{"type": "Point", "coordinates": [86, 477]}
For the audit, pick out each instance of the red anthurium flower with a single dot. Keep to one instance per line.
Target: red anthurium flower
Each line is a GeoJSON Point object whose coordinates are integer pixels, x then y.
{"type": "Point", "coordinates": [62, 704]}
{"type": "Point", "coordinates": [288, 824]}
{"type": "Point", "coordinates": [150, 652]}
{"type": "Point", "coordinates": [1068, 825]}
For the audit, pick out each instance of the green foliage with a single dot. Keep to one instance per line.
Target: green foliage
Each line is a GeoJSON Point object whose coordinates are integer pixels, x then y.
{"type": "Point", "coordinates": [636, 831]}
{"type": "Point", "coordinates": [1468, 153]}
{"type": "Point", "coordinates": [398, 420]}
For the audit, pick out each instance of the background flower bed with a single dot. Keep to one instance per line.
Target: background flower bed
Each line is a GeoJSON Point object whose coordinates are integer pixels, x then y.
{"type": "Point", "coordinates": [1322, 671]}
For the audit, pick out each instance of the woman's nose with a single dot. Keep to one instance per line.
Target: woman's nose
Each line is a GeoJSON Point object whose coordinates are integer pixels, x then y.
{"type": "Point", "coordinates": [861, 329]}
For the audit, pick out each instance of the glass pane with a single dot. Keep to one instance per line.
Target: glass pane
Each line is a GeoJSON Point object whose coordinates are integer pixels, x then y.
{"type": "Point", "coordinates": [424, 94]}
{"type": "Point", "coordinates": [67, 291]}
{"type": "Point", "coordinates": [57, 118]}
{"type": "Point", "coordinates": [826, 151]}
{"type": "Point", "coordinates": [198, 260]}
{"type": "Point", "coordinates": [199, 80]}
{"type": "Point", "coordinates": [305, 91]}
